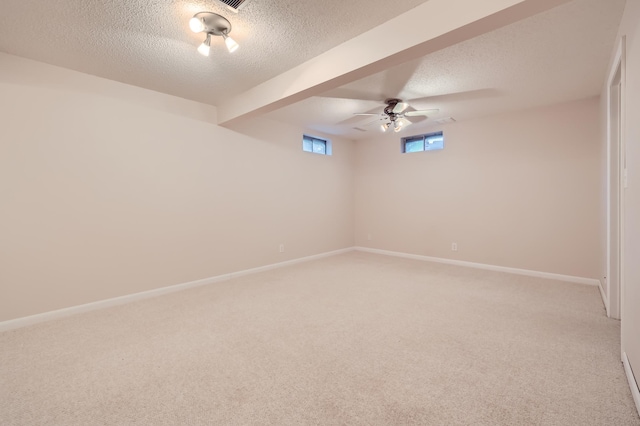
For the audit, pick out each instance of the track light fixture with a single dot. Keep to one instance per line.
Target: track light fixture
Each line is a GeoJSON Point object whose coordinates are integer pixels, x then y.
{"type": "Point", "coordinates": [212, 24]}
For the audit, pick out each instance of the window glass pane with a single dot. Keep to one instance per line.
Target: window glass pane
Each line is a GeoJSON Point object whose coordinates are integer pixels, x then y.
{"type": "Point", "coordinates": [413, 146]}
{"type": "Point", "coordinates": [434, 142]}
{"type": "Point", "coordinates": [307, 145]}
{"type": "Point", "coordinates": [319, 147]}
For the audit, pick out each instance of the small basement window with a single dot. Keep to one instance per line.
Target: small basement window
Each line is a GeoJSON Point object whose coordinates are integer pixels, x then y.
{"type": "Point", "coordinates": [316, 145]}
{"type": "Point", "coordinates": [428, 142]}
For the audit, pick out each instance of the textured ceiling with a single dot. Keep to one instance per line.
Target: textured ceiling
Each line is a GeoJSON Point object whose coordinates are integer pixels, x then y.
{"type": "Point", "coordinates": [556, 56]}
{"type": "Point", "coordinates": [148, 43]}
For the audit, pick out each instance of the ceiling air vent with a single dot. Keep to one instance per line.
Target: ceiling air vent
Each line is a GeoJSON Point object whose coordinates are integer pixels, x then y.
{"type": "Point", "coordinates": [446, 120]}
{"type": "Point", "coordinates": [234, 5]}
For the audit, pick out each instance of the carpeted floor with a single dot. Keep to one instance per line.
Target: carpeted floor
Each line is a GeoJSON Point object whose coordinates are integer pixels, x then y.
{"type": "Point", "coordinates": [355, 339]}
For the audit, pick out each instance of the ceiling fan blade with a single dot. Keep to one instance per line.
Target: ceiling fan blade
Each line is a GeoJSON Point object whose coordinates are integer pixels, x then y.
{"type": "Point", "coordinates": [357, 118]}
{"type": "Point", "coordinates": [425, 112]}
{"type": "Point", "coordinates": [400, 106]}
{"type": "Point", "coordinates": [374, 122]}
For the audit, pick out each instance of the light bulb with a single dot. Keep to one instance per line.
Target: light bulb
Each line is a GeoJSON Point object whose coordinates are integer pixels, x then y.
{"type": "Point", "coordinates": [401, 123]}
{"type": "Point", "coordinates": [383, 127]}
{"type": "Point", "coordinates": [205, 47]}
{"type": "Point", "coordinates": [232, 46]}
{"type": "Point", "coordinates": [196, 24]}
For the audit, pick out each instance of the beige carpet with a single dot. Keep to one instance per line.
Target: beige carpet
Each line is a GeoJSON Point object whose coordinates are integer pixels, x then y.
{"type": "Point", "coordinates": [355, 339]}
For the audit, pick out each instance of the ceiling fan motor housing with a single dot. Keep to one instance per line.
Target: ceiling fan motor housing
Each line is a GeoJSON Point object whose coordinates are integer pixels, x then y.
{"type": "Point", "coordinates": [391, 104]}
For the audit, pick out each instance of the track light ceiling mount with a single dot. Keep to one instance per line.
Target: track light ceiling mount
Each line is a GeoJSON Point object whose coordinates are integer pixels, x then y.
{"type": "Point", "coordinates": [212, 24]}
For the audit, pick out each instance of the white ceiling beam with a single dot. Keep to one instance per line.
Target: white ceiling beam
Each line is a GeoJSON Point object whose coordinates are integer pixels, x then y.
{"type": "Point", "coordinates": [432, 26]}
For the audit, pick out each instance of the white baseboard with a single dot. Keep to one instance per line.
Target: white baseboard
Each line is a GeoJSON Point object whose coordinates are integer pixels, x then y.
{"type": "Point", "coordinates": [101, 304]}
{"type": "Point", "coordinates": [633, 384]}
{"type": "Point", "coordinates": [290, 262]}
{"type": "Point", "coordinates": [121, 300]}
{"type": "Point", "coordinates": [106, 303]}
{"type": "Point", "coordinates": [548, 275]}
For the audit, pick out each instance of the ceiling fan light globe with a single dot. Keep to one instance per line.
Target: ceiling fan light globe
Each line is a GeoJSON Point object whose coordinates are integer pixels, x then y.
{"type": "Point", "coordinates": [403, 122]}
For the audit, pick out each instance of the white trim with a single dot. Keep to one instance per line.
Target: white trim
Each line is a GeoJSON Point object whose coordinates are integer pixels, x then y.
{"type": "Point", "coordinates": [614, 306]}
{"type": "Point", "coordinates": [106, 303]}
{"type": "Point", "coordinates": [603, 294]}
{"type": "Point", "coordinates": [121, 300]}
{"type": "Point", "coordinates": [290, 262]}
{"type": "Point", "coordinates": [548, 275]}
{"type": "Point", "coordinates": [635, 391]}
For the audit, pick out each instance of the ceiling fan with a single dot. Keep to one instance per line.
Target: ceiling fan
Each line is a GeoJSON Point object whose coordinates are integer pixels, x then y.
{"type": "Point", "coordinates": [394, 115]}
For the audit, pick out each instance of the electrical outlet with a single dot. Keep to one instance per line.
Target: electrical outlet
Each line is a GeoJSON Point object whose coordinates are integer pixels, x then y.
{"type": "Point", "coordinates": [454, 246]}
{"type": "Point", "coordinates": [281, 248]}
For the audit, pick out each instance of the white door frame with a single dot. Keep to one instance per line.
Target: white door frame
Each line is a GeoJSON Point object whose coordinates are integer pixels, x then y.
{"type": "Point", "coordinates": [614, 294]}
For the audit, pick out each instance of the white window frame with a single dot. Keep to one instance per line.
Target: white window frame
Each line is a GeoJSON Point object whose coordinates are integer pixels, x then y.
{"type": "Point", "coordinates": [327, 144]}
{"type": "Point", "coordinates": [403, 142]}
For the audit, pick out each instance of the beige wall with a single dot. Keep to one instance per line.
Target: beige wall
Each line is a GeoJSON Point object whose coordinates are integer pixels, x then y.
{"type": "Point", "coordinates": [108, 190]}
{"type": "Point", "coordinates": [516, 190]}
{"type": "Point", "coordinates": [630, 27]}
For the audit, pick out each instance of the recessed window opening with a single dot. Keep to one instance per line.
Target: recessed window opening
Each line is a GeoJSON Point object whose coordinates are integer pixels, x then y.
{"type": "Point", "coordinates": [316, 145]}
{"type": "Point", "coordinates": [426, 142]}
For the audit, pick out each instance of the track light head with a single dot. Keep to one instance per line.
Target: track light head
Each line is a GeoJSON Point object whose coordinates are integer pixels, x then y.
{"type": "Point", "coordinates": [205, 47]}
{"type": "Point", "coordinates": [232, 46]}
{"type": "Point", "coordinates": [196, 24]}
